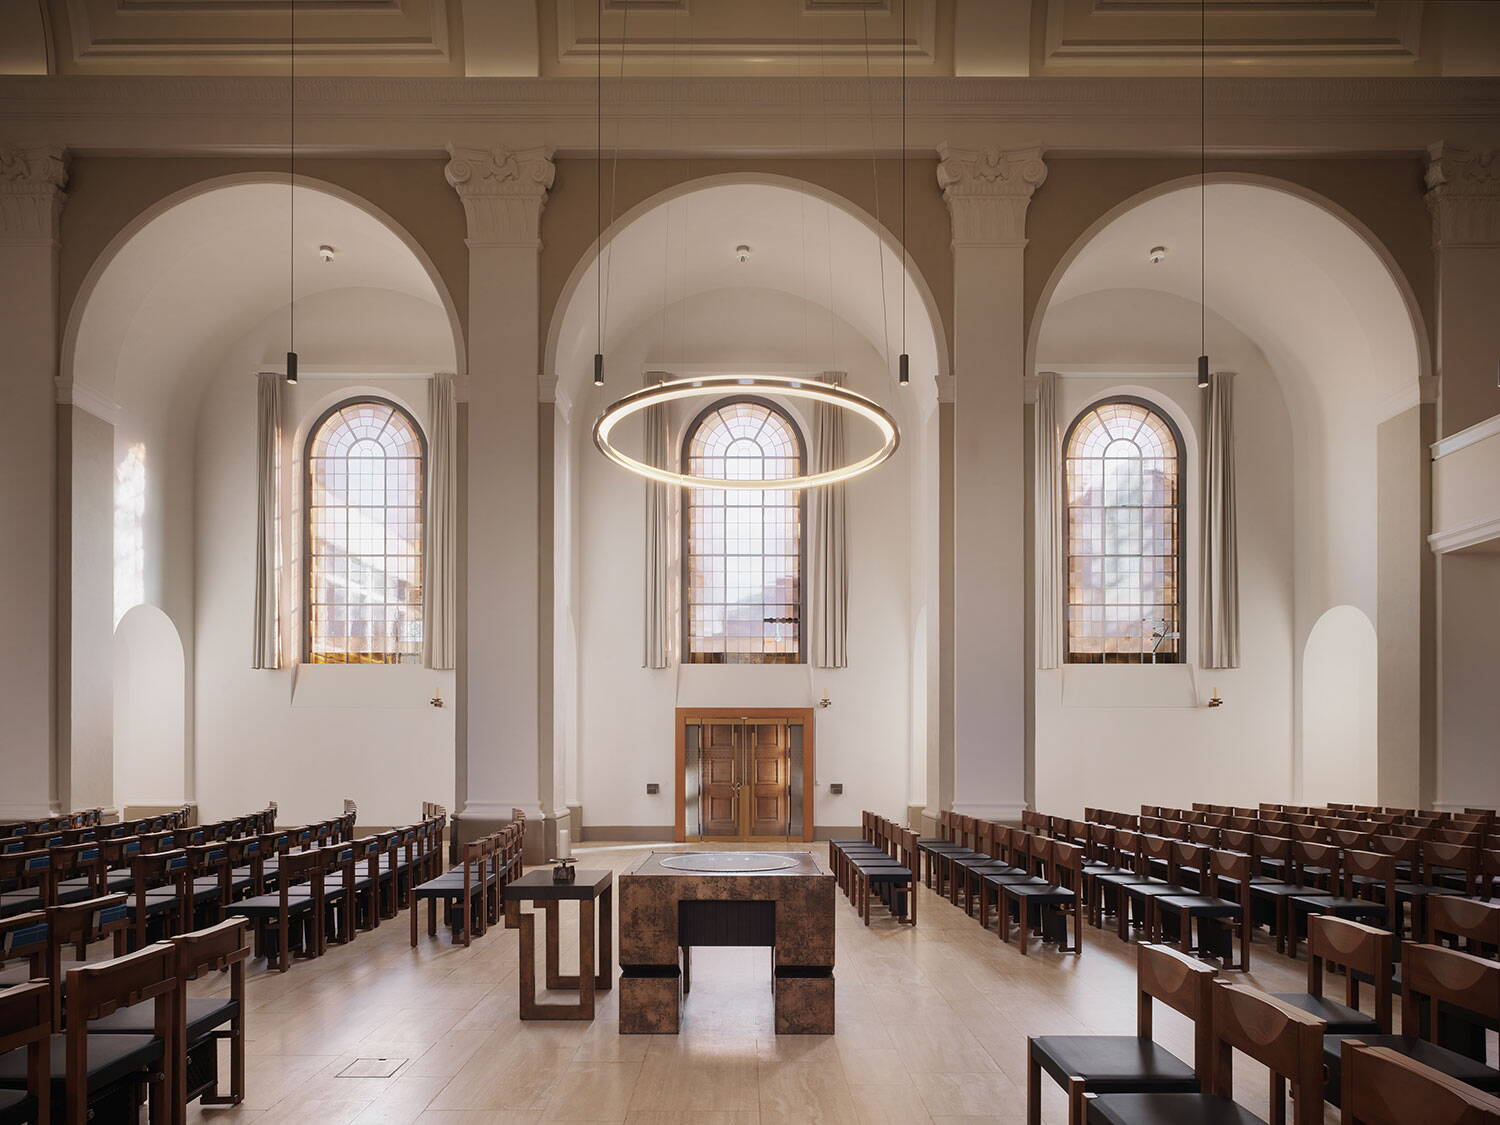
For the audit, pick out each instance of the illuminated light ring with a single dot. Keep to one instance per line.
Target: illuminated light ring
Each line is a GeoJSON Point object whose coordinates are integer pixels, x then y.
{"type": "Point", "coordinates": [711, 385]}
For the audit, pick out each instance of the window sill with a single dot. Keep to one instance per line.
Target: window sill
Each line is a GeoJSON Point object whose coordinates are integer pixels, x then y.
{"type": "Point", "coordinates": [390, 686]}
{"type": "Point", "coordinates": [1172, 686]}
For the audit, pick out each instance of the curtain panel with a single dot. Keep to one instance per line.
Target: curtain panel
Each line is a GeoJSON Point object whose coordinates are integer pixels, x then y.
{"type": "Point", "coordinates": [660, 520]}
{"type": "Point", "coordinates": [266, 644]}
{"type": "Point", "coordinates": [1221, 572]}
{"type": "Point", "coordinates": [440, 582]}
{"type": "Point", "coordinates": [1048, 545]}
{"type": "Point", "coordinates": [829, 556]}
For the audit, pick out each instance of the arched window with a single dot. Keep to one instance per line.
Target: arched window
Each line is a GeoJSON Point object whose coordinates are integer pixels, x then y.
{"type": "Point", "coordinates": [365, 463]}
{"type": "Point", "coordinates": [1123, 490]}
{"type": "Point", "coordinates": [743, 573]}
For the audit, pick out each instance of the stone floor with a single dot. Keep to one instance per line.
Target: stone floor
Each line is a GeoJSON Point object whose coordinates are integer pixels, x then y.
{"type": "Point", "coordinates": [932, 1026]}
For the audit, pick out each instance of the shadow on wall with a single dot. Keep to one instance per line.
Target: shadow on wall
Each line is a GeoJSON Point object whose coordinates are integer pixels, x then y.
{"type": "Point", "coordinates": [1339, 761]}
{"type": "Point", "coordinates": [150, 721]}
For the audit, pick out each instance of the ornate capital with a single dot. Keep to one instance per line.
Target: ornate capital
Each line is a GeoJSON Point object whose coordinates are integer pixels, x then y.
{"type": "Point", "coordinates": [31, 195]}
{"type": "Point", "coordinates": [1463, 195]}
{"type": "Point", "coordinates": [987, 191]}
{"type": "Point", "coordinates": [503, 192]}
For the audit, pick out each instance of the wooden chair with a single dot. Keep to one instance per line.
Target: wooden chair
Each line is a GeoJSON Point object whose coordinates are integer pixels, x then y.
{"type": "Point", "coordinates": [1163, 858]}
{"type": "Point", "coordinates": [1368, 894]}
{"type": "Point", "coordinates": [274, 916]}
{"type": "Point", "coordinates": [26, 1026]}
{"type": "Point", "coordinates": [1059, 898]}
{"type": "Point", "coordinates": [1384, 1087]}
{"type": "Point", "coordinates": [1309, 870]}
{"type": "Point", "coordinates": [160, 901]}
{"type": "Point", "coordinates": [461, 893]}
{"type": "Point", "coordinates": [74, 925]}
{"type": "Point", "coordinates": [23, 937]}
{"type": "Point", "coordinates": [1435, 978]}
{"type": "Point", "coordinates": [1283, 1039]}
{"type": "Point", "coordinates": [1025, 856]}
{"type": "Point", "coordinates": [1214, 914]}
{"type": "Point", "coordinates": [99, 1077]}
{"type": "Point", "coordinates": [200, 1023]}
{"type": "Point", "coordinates": [1357, 948]}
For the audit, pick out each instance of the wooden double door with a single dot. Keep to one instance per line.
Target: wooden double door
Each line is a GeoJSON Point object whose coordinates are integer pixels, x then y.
{"type": "Point", "coordinates": [741, 776]}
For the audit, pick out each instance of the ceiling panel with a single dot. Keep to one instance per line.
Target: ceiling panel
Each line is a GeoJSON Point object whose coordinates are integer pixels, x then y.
{"type": "Point", "coordinates": [735, 37]}
{"type": "Point", "coordinates": [394, 37]}
{"type": "Point", "coordinates": [1167, 36]}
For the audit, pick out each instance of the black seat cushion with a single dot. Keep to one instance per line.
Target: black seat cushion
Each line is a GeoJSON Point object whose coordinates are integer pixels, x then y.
{"type": "Point", "coordinates": [204, 1013]}
{"type": "Point", "coordinates": [110, 1058]}
{"type": "Point", "coordinates": [19, 902]}
{"type": "Point", "coordinates": [16, 1106]}
{"type": "Point", "coordinates": [1043, 892]}
{"type": "Point", "coordinates": [1340, 1017]}
{"type": "Point", "coordinates": [1452, 1063]}
{"type": "Point", "coordinates": [1199, 906]}
{"type": "Point", "coordinates": [1168, 1109]}
{"type": "Point", "coordinates": [261, 905]}
{"type": "Point", "coordinates": [1287, 890]}
{"type": "Point", "coordinates": [1338, 906]}
{"type": "Point", "coordinates": [1113, 1063]}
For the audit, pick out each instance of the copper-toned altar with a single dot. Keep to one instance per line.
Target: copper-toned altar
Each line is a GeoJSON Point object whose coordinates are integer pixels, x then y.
{"type": "Point", "coordinates": [672, 901]}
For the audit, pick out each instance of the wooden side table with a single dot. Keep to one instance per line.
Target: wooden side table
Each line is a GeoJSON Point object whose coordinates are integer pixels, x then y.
{"type": "Point", "coordinates": [587, 888]}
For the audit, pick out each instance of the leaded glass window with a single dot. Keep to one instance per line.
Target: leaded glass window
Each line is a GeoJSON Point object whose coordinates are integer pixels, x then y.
{"type": "Point", "coordinates": [1124, 533]}
{"type": "Point", "coordinates": [365, 473]}
{"type": "Point", "coordinates": [744, 546]}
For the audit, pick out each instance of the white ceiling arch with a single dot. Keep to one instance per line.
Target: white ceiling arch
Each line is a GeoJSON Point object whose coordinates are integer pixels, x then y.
{"type": "Point", "coordinates": [804, 240]}
{"type": "Point", "coordinates": [202, 266]}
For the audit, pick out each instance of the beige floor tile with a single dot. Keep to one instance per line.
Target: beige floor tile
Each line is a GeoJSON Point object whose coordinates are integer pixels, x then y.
{"type": "Point", "coordinates": [593, 1091]}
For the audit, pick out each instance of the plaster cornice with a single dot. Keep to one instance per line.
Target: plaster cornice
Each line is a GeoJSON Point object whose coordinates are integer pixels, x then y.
{"type": "Point", "coordinates": [766, 115]}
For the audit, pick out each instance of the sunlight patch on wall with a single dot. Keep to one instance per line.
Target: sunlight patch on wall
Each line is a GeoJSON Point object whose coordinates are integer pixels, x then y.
{"type": "Point", "coordinates": [130, 530]}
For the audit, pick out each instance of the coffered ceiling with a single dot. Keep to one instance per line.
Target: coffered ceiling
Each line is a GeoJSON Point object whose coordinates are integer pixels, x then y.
{"type": "Point", "coordinates": [960, 38]}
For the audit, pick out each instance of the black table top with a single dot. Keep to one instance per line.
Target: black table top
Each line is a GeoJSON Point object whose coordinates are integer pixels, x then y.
{"type": "Point", "coordinates": [538, 885]}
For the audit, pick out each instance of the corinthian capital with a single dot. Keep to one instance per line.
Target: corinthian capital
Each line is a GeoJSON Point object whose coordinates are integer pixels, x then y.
{"type": "Point", "coordinates": [503, 192]}
{"type": "Point", "coordinates": [1463, 195]}
{"type": "Point", "coordinates": [987, 191]}
{"type": "Point", "coordinates": [31, 195]}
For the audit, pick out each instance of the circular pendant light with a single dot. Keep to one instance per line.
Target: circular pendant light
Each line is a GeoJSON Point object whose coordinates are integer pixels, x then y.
{"type": "Point", "coordinates": [710, 386]}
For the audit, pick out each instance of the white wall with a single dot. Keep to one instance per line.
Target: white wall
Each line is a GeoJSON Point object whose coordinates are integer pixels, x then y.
{"type": "Point", "coordinates": [1116, 736]}
{"type": "Point", "coordinates": [626, 714]}
{"type": "Point", "coordinates": [307, 736]}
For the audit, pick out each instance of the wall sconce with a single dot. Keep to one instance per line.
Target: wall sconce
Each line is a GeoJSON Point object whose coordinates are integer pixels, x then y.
{"type": "Point", "coordinates": [825, 702]}
{"type": "Point", "coordinates": [437, 700]}
{"type": "Point", "coordinates": [1214, 700]}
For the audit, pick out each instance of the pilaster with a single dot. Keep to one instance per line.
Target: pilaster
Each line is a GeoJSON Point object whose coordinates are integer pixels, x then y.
{"type": "Point", "coordinates": [503, 193]}
{"type": "Point", "coordinates": [988, 191]}
{"type": "Point", "coordinates": [31, 201]}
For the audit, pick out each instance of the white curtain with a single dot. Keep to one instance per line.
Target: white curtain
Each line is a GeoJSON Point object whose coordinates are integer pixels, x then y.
{"type": "Point", "coordinates": [440, 591]}
{"type": "Point", "coordinates": [657, 451]}
{"type": "Point", "coordinates": [1221, 572]}
{"type": "Point", "coordinates": [830, 540]}
{"type": "Point", "coordinates": [266, 648]}
{"type": "Point", "coordinates": [1048, 529]}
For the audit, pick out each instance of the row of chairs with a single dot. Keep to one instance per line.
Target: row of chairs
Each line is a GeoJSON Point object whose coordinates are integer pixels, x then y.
{"type": "Point", "coordinates": [299, 902]}
{"type": "Point", "coordinates": [470, 894]}
{"type": "Point", "coordinates": [880, 864]}
{"type": "Point", "coordinates": [1376, 1078]}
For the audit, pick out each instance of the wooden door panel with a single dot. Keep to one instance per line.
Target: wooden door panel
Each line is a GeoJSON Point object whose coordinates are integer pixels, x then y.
{"type": "Point", "coordinates": [720, 793]}
{"type": "Point", "coordinates": [769, 788]}
{"type": "Point", "coordinates": [744, 777]}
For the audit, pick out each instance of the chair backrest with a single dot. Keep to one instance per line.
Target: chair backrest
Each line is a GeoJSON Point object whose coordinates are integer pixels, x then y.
{"type": "Point", "coordinates": [1285, 1040]}
{"type": "Point", "coordinates": [1359, 949]}
{"type": "Point", "coordinates": [1441, 853]}
{"type": "Point", "coordinates": [1385, 1087]}
{"type": "Point", "coordinates": [213, 949]}
{"type": "Point", "coordinates": [25, 935]}
{"type": "Point", "coordinates": [1374, 866]}
{"type": "Point", "coordinates": [96, 990]}
{"type": "Point", "coordinates": [1308, 853]}
{"type": "Point", "coordinates": [1445, 976]}
{"type": "Point", "coordinates": [1475, 922]}
{"type": "Point", "coordinates": [1183, 984]}
{"type": "Point", "coordinates": [25, 1016]}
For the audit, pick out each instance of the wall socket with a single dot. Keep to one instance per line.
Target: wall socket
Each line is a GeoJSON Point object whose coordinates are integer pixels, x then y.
{"type": "Point", "coordinates": [836, 788]}
{"type": "Point", "coordinates": [652, 788]}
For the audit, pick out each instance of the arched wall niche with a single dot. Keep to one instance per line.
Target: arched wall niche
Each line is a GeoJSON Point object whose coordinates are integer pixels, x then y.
{"type": "Point", "coordinates": [612, 719]}
{"type": "Point", "coordinates": [1339, 761]}
{"type": "Point", "coordinates": [1327, 340]}
{"type": "Point", "coordinates": [152, 764]}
